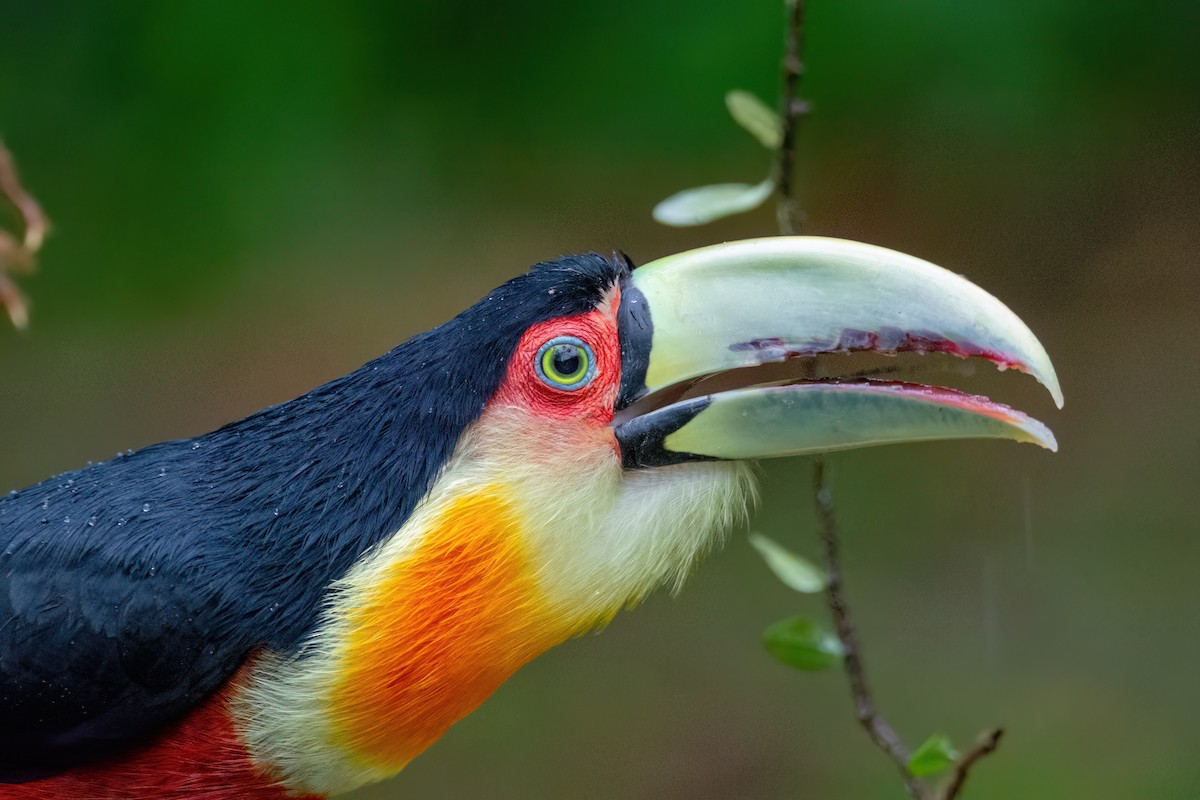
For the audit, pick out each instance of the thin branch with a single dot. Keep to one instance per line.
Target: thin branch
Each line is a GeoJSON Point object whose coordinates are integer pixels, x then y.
{"type": "Point", "coordinates": [32, 217]}
{"type": "Point", "coordinates": [17, 256]}
{"type": "Point", "coordinates": [881, 733]}
{"type": "Point", "coordinates": [791, 109]}
{"type": "Point", "coordinates": [790, 219]}
{"type": "Point", "coordinates": [987, 745]}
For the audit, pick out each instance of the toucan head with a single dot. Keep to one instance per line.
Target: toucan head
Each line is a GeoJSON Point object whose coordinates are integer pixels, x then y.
{"type": "Point", "coordinates": [576, 438]}
{"type": "Point", "coordinates": [626, 411]}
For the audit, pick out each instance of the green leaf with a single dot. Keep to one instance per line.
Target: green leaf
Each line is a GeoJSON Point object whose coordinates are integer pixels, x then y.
{"type": "Point", "coordinates": [795, 571]}
{"type": "Point", "coordinates": [936, 754]}
{"type": "Point", "coordinates": [801, 643]}
{"type": "Point", "coordinates": [755, 116]}
{"type": "Point", "coordinates": [707, 203]}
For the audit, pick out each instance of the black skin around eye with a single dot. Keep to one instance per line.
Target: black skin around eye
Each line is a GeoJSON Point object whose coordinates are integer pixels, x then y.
{"type": "Point", "coordinates": [566, 359]}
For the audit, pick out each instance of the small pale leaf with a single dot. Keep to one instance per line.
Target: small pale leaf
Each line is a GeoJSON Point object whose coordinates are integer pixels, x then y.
{"type": "Point", "coordinates": [755, 116]}
{"type": "Point", "coordinates": [795, 571]}
{"type": "Point", "coordinates": [801, 643]}
{"type": "Point", "coordinates": [935, 755]}
{"type": "Point", "coordinates": [704, 204]}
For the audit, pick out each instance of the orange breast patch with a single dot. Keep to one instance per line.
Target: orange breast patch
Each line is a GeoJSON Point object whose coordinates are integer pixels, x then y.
{"type": "Point", "coordinates": [442, 629]}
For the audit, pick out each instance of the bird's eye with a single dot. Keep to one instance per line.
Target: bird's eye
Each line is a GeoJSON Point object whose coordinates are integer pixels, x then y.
{"type": "Point", "coordinates": [566, 363]}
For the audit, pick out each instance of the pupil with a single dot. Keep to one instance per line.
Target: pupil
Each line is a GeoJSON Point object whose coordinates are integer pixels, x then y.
{"type": "Point", "coordinates": [566, 359]}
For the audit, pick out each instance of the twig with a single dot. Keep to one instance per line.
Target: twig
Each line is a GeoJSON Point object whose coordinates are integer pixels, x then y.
{"type": "Point", "coordinates": [791, 109]}
{"type": "Point", "coordinates": [790, 217]}
{"type": "Point", "coordinates": [987, 745]}
{"type": "Point", "coordinates": [881, 733]}
{"type": "Point", "coordinates": [18, 256]}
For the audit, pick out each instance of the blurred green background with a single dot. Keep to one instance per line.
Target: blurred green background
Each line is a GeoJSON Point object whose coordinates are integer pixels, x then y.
{"type": "Point", "coordinates": [251, 198]}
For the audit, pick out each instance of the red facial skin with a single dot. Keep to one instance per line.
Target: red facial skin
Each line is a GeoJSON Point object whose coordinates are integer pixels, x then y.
{"type": "Point", "coordinates": [591, 404]}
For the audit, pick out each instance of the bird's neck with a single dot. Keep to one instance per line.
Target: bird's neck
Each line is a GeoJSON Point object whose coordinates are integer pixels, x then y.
{"type": "Point", "coordinates": [417, 637]}
{"type": "Point", "coordinates": [510, 554]}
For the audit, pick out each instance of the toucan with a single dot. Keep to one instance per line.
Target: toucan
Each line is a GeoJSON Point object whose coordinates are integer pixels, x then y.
{"type": "Point", "coordinates": [300, 602]}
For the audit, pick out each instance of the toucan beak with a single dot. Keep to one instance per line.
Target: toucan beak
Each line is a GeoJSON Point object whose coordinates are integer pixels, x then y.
{"type": "Point", "coordinates": [718, 310]}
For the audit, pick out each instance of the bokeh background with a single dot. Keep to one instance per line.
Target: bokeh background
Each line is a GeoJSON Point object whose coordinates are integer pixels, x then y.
{"type": "Point", "coordinates": [251, 198]}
